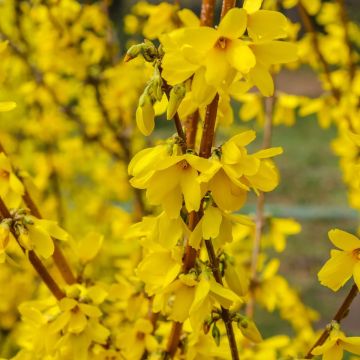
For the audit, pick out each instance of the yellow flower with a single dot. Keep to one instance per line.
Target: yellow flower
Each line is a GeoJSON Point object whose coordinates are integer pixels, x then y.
{"type": "Point", "coordinates": [218, 50]}
{"type": "Point", "coordinates": [171, 179]}
{"type": "Point", "coordinates": [136, 340]}
{"type": "Point", "coordinates": [158, 270]}
{"type": "Point", "coordinates": [342, 264]}
{"type": "Point", "coordinates": [37, 235]}
{"type": "Point", "coordinates": [217, 226]}
{"type": "Point", "coordinates": [232, 176]}
{"type": "Point", "coordinates": [334, 346]}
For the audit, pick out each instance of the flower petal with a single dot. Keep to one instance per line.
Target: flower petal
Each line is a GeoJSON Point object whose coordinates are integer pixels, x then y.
{"type": "Point", "coordinates": [337, 270]}
{"type": "Point", "coordinates": [240, 56]}
{"type": "Point", "coordinates": [274, 52]}
{"type": "Point", "coordinates": [344, 240]}
{"type": "Point", "coordinates": [233, 25]}
{"type": "Point", "coordinates": [267, 25]}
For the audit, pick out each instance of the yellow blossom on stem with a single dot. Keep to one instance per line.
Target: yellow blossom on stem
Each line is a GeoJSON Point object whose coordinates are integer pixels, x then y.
{"type": "Point", "coordinates": [343, 263]}
{"type": "Point", "coordinates": [336, 344]}
{"type": "Point", "coordinates": [172, 179]}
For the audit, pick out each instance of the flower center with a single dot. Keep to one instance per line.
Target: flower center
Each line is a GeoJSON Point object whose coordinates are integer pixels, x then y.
{"type": "Point", "coordinates": [356, 254]}
{"type": "Point", "coordinates": [183, 164]}
{"type": "Point", "coordinates": [222, 43]}
{"type": "Point", "coordinates": [4, 174]}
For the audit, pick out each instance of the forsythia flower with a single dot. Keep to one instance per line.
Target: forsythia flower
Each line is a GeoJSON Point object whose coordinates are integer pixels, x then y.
{"type": "Point", "coordinates": [334, 346]}
{"type": "Point", "coordinates": [342, 264]}
{"type": "Point", "coordinates": [37, 233]}
{"type": "Point", "coordinates": [236, 172]}
{"type": "Point", "coordinates": [138, 339]}
{"type": "Point", "coordinates": [223, 53]}
{"type": "Point", "coordinates": [169, 179]}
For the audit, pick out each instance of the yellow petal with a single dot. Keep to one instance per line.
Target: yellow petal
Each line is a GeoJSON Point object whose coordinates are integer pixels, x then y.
{"type": "Point", "coordinates": [42, 242]}
{"type": "Point", "coordinates": [267, 25]}
{"type": "Point", "coordinates": [226, 195]}
{"type": "Point", "coordinates": [352, 344]}
{"type": "Point", "coordinates": [90, 310]}
{"type": "Point", "coordinates": [233, 25]}
{"type": "Point", "coordinates": [53, 229]}
{"type": "Point", "coordinates": [184, 297]}
{"type": "Point", "coordinates": [266, 153]}
{"type": "Point", "coordinates": [252, 5]}
{"type": "Point", "coordinates": [201, 306]}
{"type": "Point", "coordinates": [188, 18]}
{"type": "Point", "coordinates": [89, 246]}
{"type": "Point", "coordinates": [15, 184]}
{"type": "Point", "coordinates": [77, 322]}
{"type": "Point", "coordinates": [356, 274]}
{"type": "Point", "coordinates": [224, 296]}
{"type": "Point", "coordinates": [240, 56]}
{"type": "Point", "coordinates": [196, 236]}
{"type": "Point", "coordinates": [337, 270]}
{"type": "Point", "coordinates": [217, 67]}
{"type": "Point", "coordinates": [344, 240]}
{"type": "Point", "coordinates": [172, 203]}
{"type": "Point", "coordinates": [275, 52]}
{"type": "Point", "coordinates": [190, 189]}
{"type": "Point", "coordinates": [260, 76]}
{"type": "Point", "coordinates": [211, 223]}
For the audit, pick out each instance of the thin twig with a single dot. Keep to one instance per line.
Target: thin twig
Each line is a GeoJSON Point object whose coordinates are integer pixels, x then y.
{"type": "Point", "coordinates": [260, 205]}
{"type": "Point", "coordinates": [34, 260]}
{"type": "Point", "coordinates": [341, 313]}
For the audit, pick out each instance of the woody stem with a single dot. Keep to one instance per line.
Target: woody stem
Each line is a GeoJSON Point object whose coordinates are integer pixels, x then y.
{"type": "Point", "coordinates": [34, 260]}
{"type": "Point", "coordinates": [340, 314]}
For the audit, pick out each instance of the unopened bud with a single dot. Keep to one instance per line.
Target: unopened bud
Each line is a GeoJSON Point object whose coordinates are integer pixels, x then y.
{"type": "Point", "coordinates": [145, 114]}
{"type": "Point", "coordinates": [177, 94]}
{"type": "Point", "coordinates": [249, 330]}
{"type": "Point", "coordinates": [147, 49]}
{"type": "Point", "coordinates": [133, 52]}
{"type": "Point", "coordinates": [237, 279]}
{"type": "Point", "coordinates": [216, 334]}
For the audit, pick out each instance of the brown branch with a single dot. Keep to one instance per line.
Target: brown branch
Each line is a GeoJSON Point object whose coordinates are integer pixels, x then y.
{"type": "Point", "coordinates": [191, 126]}
{"type": "Point", "coordinates": [207, 12]}
{"type": "Point", "coordinates": [260, 205]}
{"type": "Point", "coordinates": [345, 24]}
{"type": "Point", "coordinates": [208, 134]}
{"type": "Point", "coordinates": [34, 260]}
{"type": "Point", "coordinates": [338, 317]}
{"type": "Point", "coordinates": [207, 140]}
{"type": "Point", "coordinates": [226, 6]}
{"type": "Point", "coordinates": [58, 256]}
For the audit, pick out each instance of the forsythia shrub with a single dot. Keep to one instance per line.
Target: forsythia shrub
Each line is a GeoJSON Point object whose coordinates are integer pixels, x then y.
{"type": "Point", "coordinates": [158, 259]}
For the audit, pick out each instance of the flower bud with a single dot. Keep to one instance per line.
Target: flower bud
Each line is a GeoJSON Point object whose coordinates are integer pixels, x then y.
{"type": "Point", "coordinates": [145, 114]}
{"type": "Point", "coordinates": [249, 330]}
{"type": "Point", "coordinates": [133, 52]}
{"type": "Point", "coordinates": [215, 332]}
{"type": "Point", "coordinates": [237, 280]}
{"type": "Point", "coordinates": [177, 94]}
